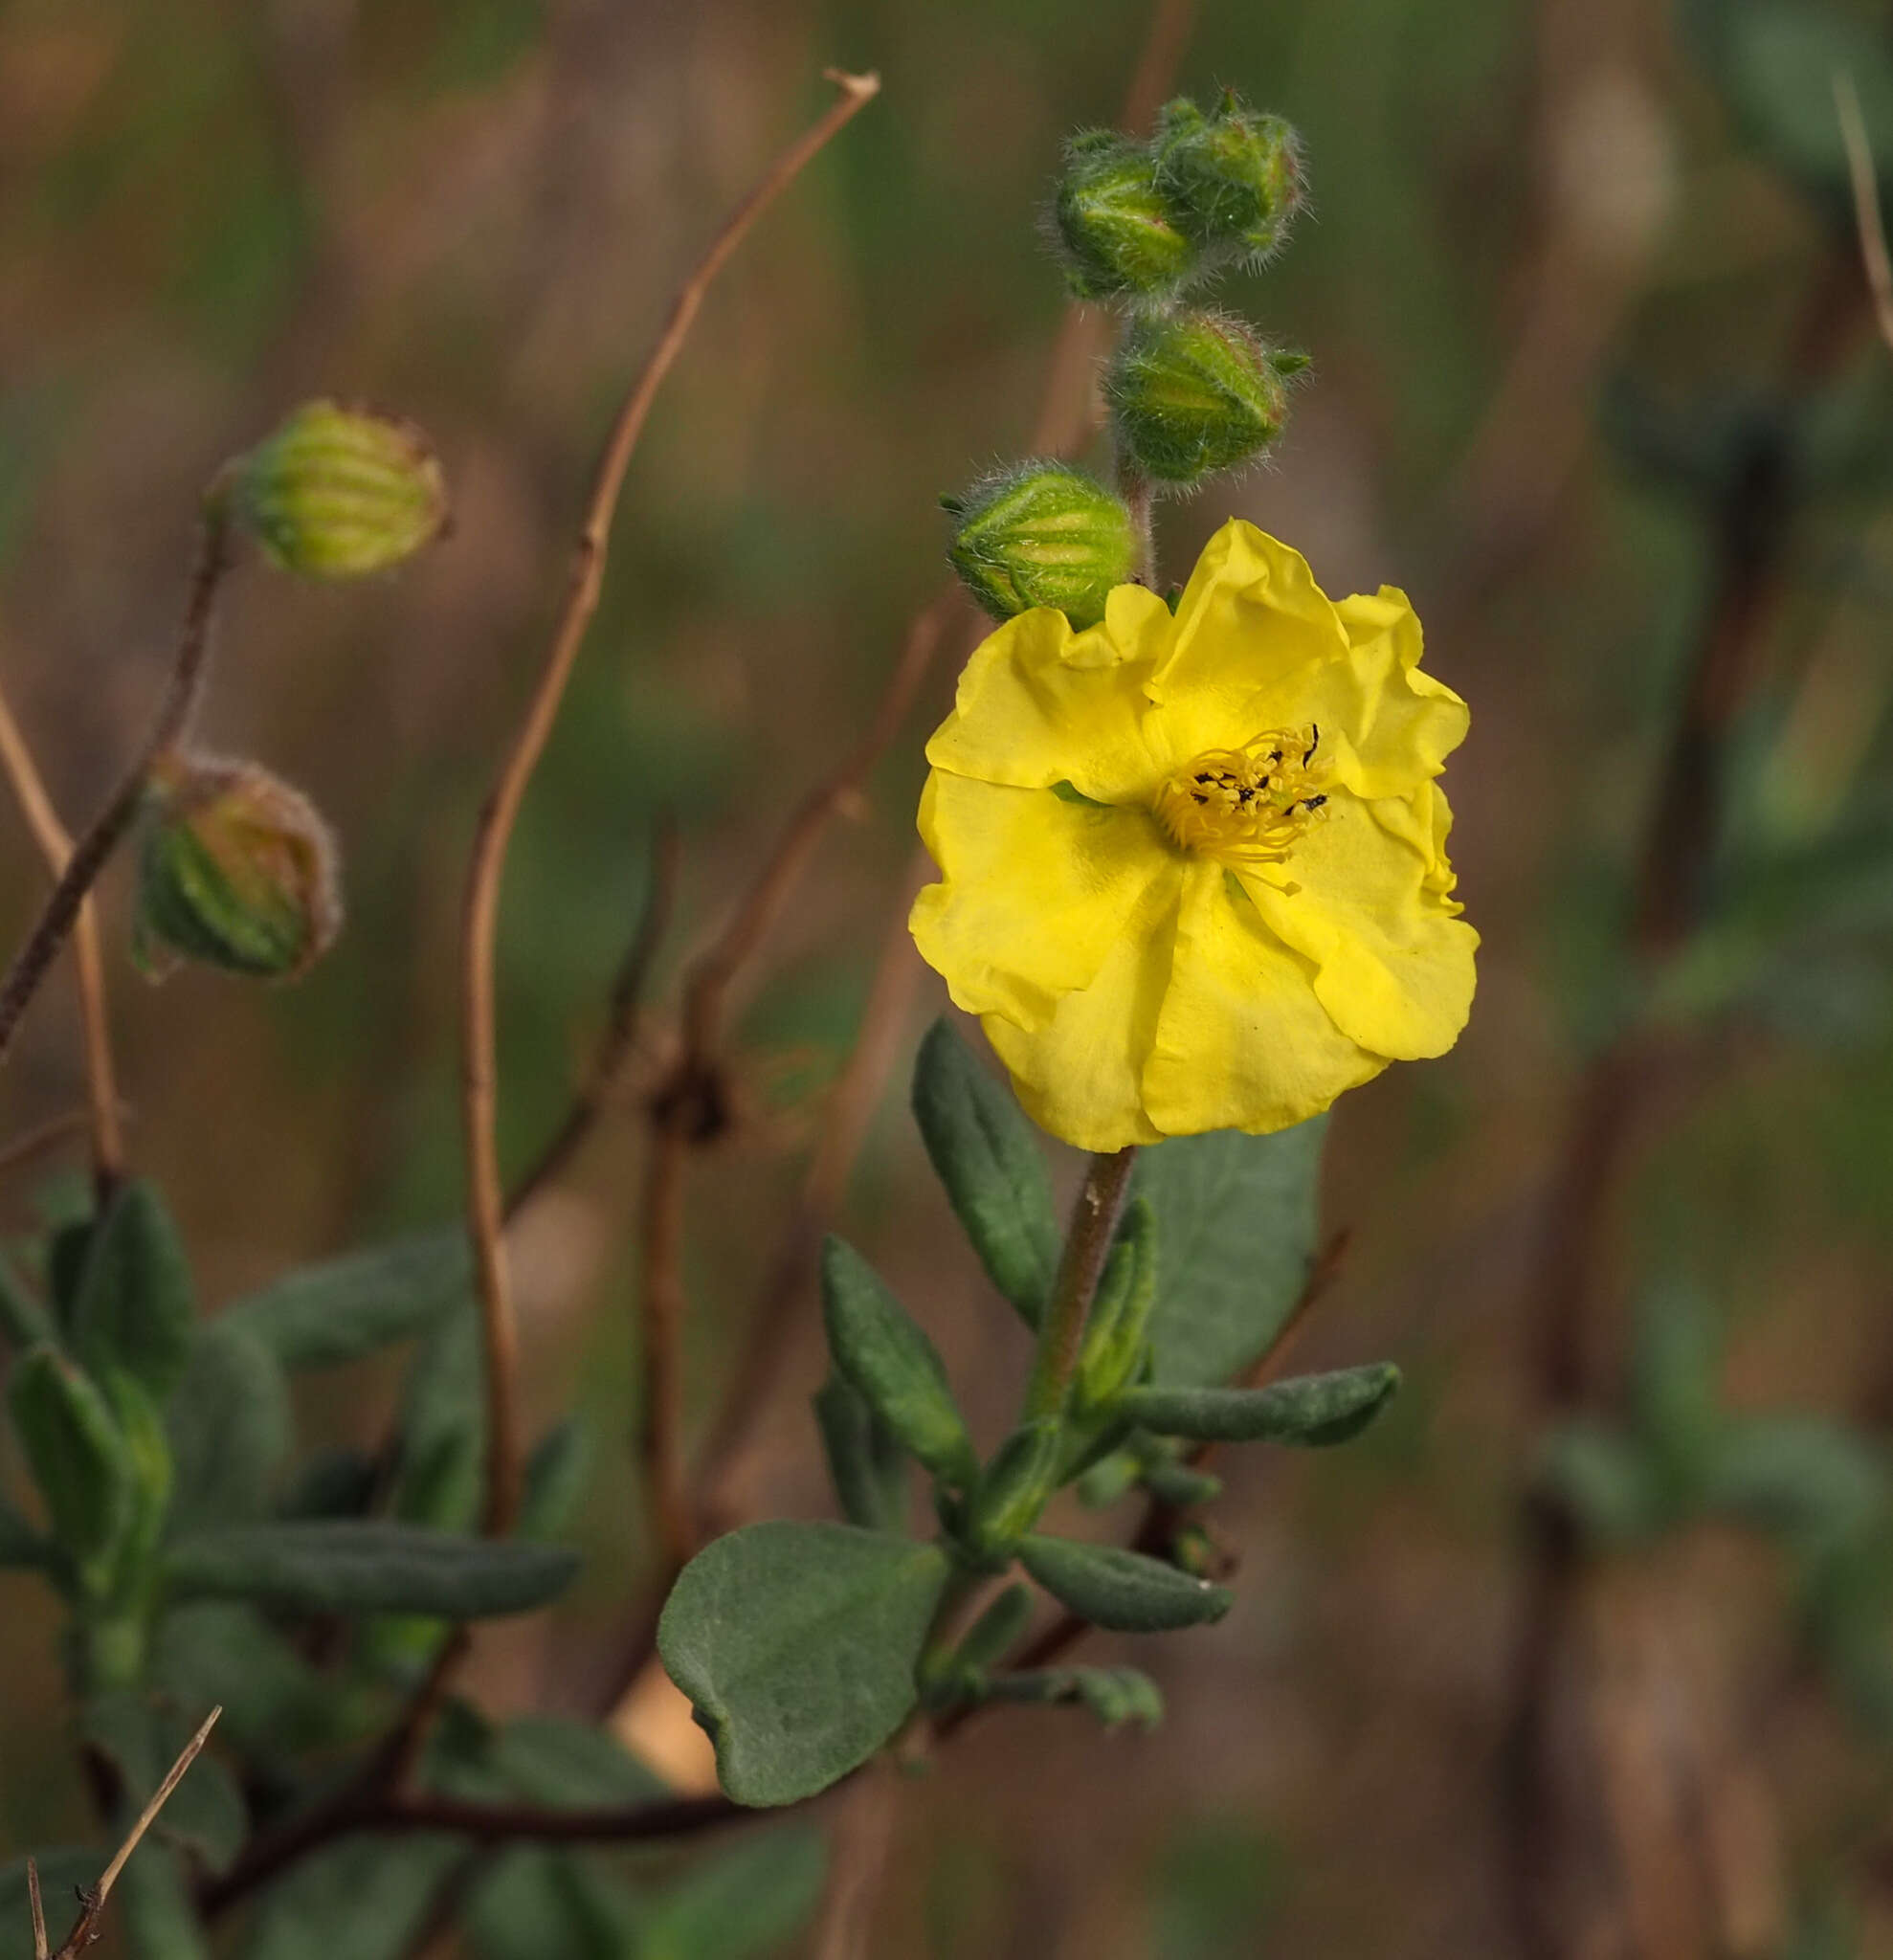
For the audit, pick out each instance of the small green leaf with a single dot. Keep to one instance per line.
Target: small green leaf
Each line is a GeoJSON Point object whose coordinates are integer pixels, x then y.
{"type": "Point", "coordinates": [24, 1321]}
{"type": "Point", "coordinates": [1119, 1328]}
{"type": "Point", "coordinates": [1123, 1590]}
{"type": "Point", "coordinates": [1115, 1695]}
{"type": "Point", "coordinates": [229, 1424]}
{"type": "Point", "coordinates": [1809, 1480]}
{"type": "Point", "coordinates": [1314, 1410]}
{"type": "Point", "coordinates": [865, 1464]}
{"type": "Point", "coordinates": [369, 1566]}
{"type": "Point", "coordinates": [359, 1898]}
{"type": "Point", "coordinates": [135, 1306]}
{"type": "Point", "coordinates": [548, 1759]}
{"type": "Point", "coordinates": [1180, 1487]}
{"type": "Point", "coordinates": [986, 1152]}
{"type": "Point", "coordinates": [341, 1309]}
{"type": "Point", "coordinates": [154, 1898]}
{"type": "Point", "coordinates": [537, 1901]}
{"type": "Point", "coordinates": [222, 1654]}
{"type": "Point", "coordinates": [796, 1644]}
{"type": "Point", "coordinates": [893, 1365]}
{"type": "Point", "coordinates": [1015, 1486]}
{"type": "Point", "coordinates": [556, 1478]}
{"type": "Point", "coordinates": [1608, 1480]}
{"type": "Point", "coordinates": [996, 1632]}
{"type": "Point", "coordinates": [78, 1457]}
{"type": "Point", "coordinates": [1237, 1221]}
{"type": "Point", "coordinates": [741, 1903]}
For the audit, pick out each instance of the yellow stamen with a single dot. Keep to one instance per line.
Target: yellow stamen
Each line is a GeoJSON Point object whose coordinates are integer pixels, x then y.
{"type": "Point", "coordinates": [1249, 806]}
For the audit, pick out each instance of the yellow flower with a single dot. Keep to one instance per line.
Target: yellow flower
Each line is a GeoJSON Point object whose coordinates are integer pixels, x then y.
{"type": "Point", "coordinates": [1194, 869]}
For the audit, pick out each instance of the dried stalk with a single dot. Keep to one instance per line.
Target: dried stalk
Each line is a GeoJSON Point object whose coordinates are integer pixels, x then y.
{"type": "Point", "coordinates": [479, 1037]}
{"type": "Point", "coordinates": [1867, 203]}
{"type": "Point", "coordinates": [55, 846]}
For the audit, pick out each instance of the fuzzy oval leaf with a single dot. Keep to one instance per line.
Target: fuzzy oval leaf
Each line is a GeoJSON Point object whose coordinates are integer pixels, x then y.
{"type": "Point", "coordinates": [865, 1464]}
{"type": "Point", "coordinates": [349, 1565]}
{"type": "Point", "coordinates": [78, 1456]}
{"type": "Point", "coordinates": [1237, 1219]}
{"type": "Point", "coordinates": [229, 1425]}
{"type": "Point", "coordinates": [341, 1309]}
{"type": "Point", "coordinates": [892, 1364]}
{"type": "Point", "coordinates": [1312, 1410]}
{"type": "Point", "coordinates": [796, 1644]}
{"type": "Point", "coordinates": [987, 1154]}
{"type": "Point", "coordinates": [1123, 1590]}
{"type": "Point", "coordinates": [135, 1306]}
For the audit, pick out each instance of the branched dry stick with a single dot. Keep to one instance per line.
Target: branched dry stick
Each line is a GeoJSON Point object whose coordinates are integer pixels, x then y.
{"type": "Point", "coordinates": [89, 856]}
{"type": "Point", "coordinates": [1867, 203]}
{"type": "Point", "coordinates": [55, 846]}
{"type": "Point", "coordinates": [85, 1928]}
{"type": "Point", "coordinates": [485, 1198]}
{"type": "Point", "coordinates": [40, 1948]}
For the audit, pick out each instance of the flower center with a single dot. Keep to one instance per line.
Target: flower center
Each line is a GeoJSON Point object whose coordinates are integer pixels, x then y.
{"type": "Point", "coordinates": [1246, 805]}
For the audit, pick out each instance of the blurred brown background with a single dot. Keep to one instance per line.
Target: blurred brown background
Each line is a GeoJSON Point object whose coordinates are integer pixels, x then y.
{"type": "Point", "coordinates": [475, 212]}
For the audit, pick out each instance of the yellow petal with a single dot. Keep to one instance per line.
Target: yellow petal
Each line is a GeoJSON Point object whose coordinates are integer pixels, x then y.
{"type": "Point", "coordinates": [1040, 705]}
{"type": "Point", "coordinates": [1079, 1074]}
{"type": "Point", "coordinates": [1243, 1043]}
{"type": "Point", "coordinates": [1393, 966]}
{"type": "Point", "coordinates": [1035, 892]}
{"type": "Point", "coordinates": [1253, 634]}
{"type": "Point", "coordinates": [1385, 726]}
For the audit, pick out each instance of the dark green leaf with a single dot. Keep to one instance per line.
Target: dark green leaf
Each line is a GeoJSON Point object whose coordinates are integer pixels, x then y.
{"type": "Point", "coordinates": [1015, 1485]}
{"type": "Point", "coordinates": [24, 1321]}
{"type": "Point", "coordinates": [1180, 1487]}
{"type": "Point", "coordinates": [547, 1759]}
{"type": "Point", "coordinates": [229, 1428]}
{"type": "Point", "coordinates": [78, 1457]}
{"type": "Point", "coordinates": [1120, 1324]}
{"type": "Point", "coordinates": [537, 1901]}
{"type": "Point", "coordinates": [1124, 1591]}
{"type": "Point", "coordinates": [222, 1654]}
{"type": "Point", "coordinates": [358, 1899]}
{"type": "Point", "coordinates": [987, 1154]}
{"type": "Point", "coordinates": [892, 1364]}
{"type": "Point", "coordinates": [332, 1482]}
{"type": "Point", "coordinates": [1606, 1479]}
{"type": "Point", "coordinates": [443, 1427]}
{"type": "Point", "coordinates": [343, 1309]}
{"type": "Point", "coordinates": [743, 1902]}
{"type": "Point", "coordinates": [797, 1644]}
{"type": "Point", "coordinates": [865, 1464]}
{"type": "Point", "coordinates": [1808, 1480]}
{"type": "Point", "coordinates": [1315, 1410]}
{"type": "Point", "coordinates": [555, 1478]}
{"type": "Point", "coordinates": [135, 1306]}
{"type": "Point", "coordinates": [369, 1566]}
{"type": "Point", "coordinates": [996, 1632]}
{"type": "Point", "coordinates": [1675, 1361]}
{"type": "Point", "coordinates": [1236, 1224]}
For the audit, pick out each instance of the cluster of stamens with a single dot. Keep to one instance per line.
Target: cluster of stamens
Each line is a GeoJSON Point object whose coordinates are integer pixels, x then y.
{"type": "Point", "coordinates": [1246, 805]}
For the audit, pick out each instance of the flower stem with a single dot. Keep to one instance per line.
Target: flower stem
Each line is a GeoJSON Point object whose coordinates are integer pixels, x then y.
{"type": "Point", "coordinates": [1094, 1223]}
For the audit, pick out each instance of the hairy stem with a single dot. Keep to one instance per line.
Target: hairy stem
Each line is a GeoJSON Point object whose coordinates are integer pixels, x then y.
{"type": "Point", "coordinates": [1094, 1221]}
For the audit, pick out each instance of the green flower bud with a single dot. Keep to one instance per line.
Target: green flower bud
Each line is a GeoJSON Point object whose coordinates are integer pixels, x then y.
{"type": "Point", "coordinates": [1041, 534]}
{"type": "Point", "coordinates": [238, 870]}
{"type": "Point", "coordinates": [1193, 393]}
{"type": "Point", "coordinates": [338, 493]}
{"type": "Point", "coordinates": [1229, 179]}
{"type": "Point", "coordinates": [1112, 231]}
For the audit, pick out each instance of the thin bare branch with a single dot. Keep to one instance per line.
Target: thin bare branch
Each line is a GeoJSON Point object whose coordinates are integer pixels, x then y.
{"type": "Point", "coordinates": [88, 858]}
{"type": "Point", "coordinates": [1866, 202]}
{"type": "Point", "coordinates": [86, 1927]}
{"type": "Point", "coordinates": [46, 1136]}
{"type": "Point", "coordinates": [40, 1949]}
{"type": "Point", "coordinates": [485, 1198]}
{"type": "Point", "coordinates": [55, 846]}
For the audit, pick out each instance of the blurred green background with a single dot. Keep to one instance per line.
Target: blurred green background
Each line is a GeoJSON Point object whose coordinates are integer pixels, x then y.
{"type": "Point", "coordinates": [475, 212]}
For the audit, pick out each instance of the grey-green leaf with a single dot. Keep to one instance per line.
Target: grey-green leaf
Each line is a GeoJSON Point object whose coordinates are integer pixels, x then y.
{"type": "Point", "coordinates": [78, 1457]}
{"type": "Point", "coordinates": [343, 1309]}
{"type": "Point", "coordinates": [892, 1364]}
{"type": "Point", "coordinates": [1237, 1220]}
{"type": "Point", "coordinates": [797, 1642]}
{"type": "Point", "coordinates": [229, 1424]}
{"type": "Point", "coordinates": [1124, 1591]}
{"type": "Point", "coordinates": [987, 1154]}
{"type": "Point", "coordinates": [1313, 1410]}
{"type": "Point", "coordinates": [550, 1760]}
{"type": "Point", "coordinates": [1015, 1486]}
{"type": "Point", "coordinates": [346, 1565]}
{"type": "Point", "coordinates": [359, 1898]}
{"type": "Point", "coordinates": [135, 1306]}
{"type": "Point", "coordinates": [743, 1902]}
{"type": "Point", "coordinates": [1115, 1695]}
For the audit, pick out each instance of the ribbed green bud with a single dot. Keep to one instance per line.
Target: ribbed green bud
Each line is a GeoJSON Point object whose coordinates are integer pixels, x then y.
{"type": "Point", "coordinates": [1230, 180]}
{"type": "Point", "coordinates": [1116, 237]}
{"type": "Point", "coordinates": [338, 493]}
{"type": "Point", "coordinates": [1194, 393]}
{"type": "Point", "coordinates": [237, 870]}
{"type": "Point", "coordinates": [1041, 534]}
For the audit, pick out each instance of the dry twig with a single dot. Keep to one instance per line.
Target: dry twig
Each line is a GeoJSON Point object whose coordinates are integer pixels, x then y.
{"type": "Point", "coordinates": [485, 1198]}
{"type": "Point", "coordinates": [1866, 202]}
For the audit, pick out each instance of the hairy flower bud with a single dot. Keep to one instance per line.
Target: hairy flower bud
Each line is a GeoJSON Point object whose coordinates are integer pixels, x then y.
{"type": "Point", "coordinates": [237, 870]}
{"type": "Point", "coordinates": [1116, 237]}
{"type": "Point", "coordinates": [1231, 179]}
{"type": "Point", "coordinates": [337, 493]}
{"type": "Point", "coordinates": [1041, 534]}
{"type": "Point", "coordinates": [1194, 392]}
